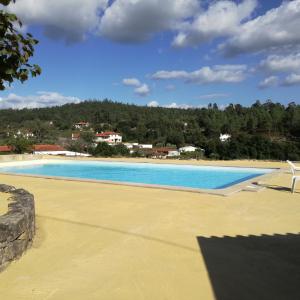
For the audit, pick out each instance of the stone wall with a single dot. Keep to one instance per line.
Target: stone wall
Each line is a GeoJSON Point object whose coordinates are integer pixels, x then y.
{"type": "Point", "coordinates": [19, 157]}
{"type": "Point", "coordinates": [17, 226]}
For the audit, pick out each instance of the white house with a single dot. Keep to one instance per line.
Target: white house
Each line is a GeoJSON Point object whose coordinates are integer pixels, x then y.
{"type": "Point", "coordinates": [131, 145]}
{"type": "Point", "coordinates": [138, 146]}
{"type": "Point", "coordinates": [75, 136]}
{"type": "Point", "coordinates": [109, 137]}
{"type": "Point", "coordinates": [187, 149]}
{"type": "Point", "coordinates": [163, 152]}
{"type": "Point", "coordinates": [25, 134]}
{"type": "Point", "coordinates": [225, 137]}
{"type": "Point", "coordinates": [173, 153]}
{"type": "Point", "coordinates": [81, 125]}
{"type": "Point", "coordinates": [145, 146]}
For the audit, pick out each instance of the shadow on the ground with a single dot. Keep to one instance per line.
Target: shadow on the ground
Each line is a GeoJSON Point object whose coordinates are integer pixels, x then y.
{"type": "Point", "coordinates": [277, 188]}
{"type": "Point", "coordinates": [253, 267]}
{"type": "Point", "coordinates": [120, 231]}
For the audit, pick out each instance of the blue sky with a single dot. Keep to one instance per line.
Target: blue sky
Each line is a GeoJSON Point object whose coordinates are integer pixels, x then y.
{"type": "Point", "coordinates": [177, 53]}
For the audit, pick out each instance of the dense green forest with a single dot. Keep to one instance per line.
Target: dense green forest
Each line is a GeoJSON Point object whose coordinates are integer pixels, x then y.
{"type": "Point", "coordinates": [263, 131]}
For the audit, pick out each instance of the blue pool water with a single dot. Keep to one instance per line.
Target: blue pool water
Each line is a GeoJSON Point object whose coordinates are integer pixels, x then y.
{"type": "Point", "coordinates": [201, 177]}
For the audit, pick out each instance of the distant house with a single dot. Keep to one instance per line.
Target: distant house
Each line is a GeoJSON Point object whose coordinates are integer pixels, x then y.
{"type": "Point", "coordinates": [224, 137]}
{"type": "Point", "coordinates": [109, 137]}
{"type": "Point", "coordinates": [5, 149]}
{"type": "Point", "coordinates": [187, 149]}
{"type": "Point", "coordinates": [20, 133]}
{"type": "Point", "coordinates": [164, 152]}
{"type": "Point", "coordinates": [145, 146]}
{"type": "Point", "coordinates": [138, 146]}
{"type": "Point", "coordinates": [75, 136]}
{"type": "Point", "coordinates": [81, 125]}
{"type": "Point", "coordinates": [27, 135]}
{"type": "Point", "coordinates": [173, 153]}
{"type": "Point", "coordinates": [131, 145]}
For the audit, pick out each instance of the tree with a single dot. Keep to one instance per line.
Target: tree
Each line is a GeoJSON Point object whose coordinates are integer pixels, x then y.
{"type": "Point", "coordinates": [262, 131]}
{"type": "Point", "coordinates": [20, 145]}
{"type": "Point", "coordinates": [15, 50]}
{"type": "Point", "coordinates": [122, 150]}
{"type": "Point", "coordinates": [175, 138]}
{"type": "Point", "coordinates": [103, 149]}
{"type": "Point", "coordinates": [88, 137]}
{"type": "Point", "coordinates": [76, 146]}
{"type": "Point", "coordinates": [87, 141]}
{"type": "Point", "coordinates": [40, 130]}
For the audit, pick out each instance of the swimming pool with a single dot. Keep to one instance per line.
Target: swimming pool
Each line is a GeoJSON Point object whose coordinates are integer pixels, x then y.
{"type": "Point", "coordinates": [171, 175]}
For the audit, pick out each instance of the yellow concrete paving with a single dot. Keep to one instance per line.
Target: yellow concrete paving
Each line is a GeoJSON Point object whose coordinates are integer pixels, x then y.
{"type": "Point", "coordinates": [101, 241]}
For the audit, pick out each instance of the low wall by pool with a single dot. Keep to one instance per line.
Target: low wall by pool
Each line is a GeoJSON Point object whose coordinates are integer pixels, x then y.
{"type": "Point", "coordinates": [19, 157]}
{"type": "Point", "coordinates": [17, 226]}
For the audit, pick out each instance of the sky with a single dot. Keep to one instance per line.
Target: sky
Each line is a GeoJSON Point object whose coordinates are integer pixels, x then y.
{"type": "Point", "coordinates": [172, 53]}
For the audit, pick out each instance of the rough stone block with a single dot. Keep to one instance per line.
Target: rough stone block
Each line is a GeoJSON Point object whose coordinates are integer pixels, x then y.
{"type": "Point", "coordinates": [17, 226]}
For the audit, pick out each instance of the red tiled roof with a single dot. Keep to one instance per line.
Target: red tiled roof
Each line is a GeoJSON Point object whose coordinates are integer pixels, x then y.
{"type": "Point", "coordinates": [48, 148]}
{"type": "Point", "coordinates": [82, 123]}
{"type": "Point", "coordinates": [163, 149]}
{"type": "Point", "coordinates": [106, 133]}
{"type": "Point", "coordinates": [5, 148]}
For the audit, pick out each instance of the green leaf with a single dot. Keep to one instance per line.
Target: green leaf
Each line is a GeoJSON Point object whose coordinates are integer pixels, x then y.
{"type": "Point", "coordinates": [5, 2]}
{"type": "Point", "coordinates": [16, 49]}
{"type": "Point", "coordinates": [9, 71]}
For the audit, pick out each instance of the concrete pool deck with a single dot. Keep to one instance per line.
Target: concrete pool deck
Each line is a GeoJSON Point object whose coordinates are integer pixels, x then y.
{"type": "Point", "coordinates": [101, 241]}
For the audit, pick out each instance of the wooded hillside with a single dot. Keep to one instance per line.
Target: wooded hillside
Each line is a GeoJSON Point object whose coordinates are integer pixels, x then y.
{"type": "Point", "coordinates": [262, 131]}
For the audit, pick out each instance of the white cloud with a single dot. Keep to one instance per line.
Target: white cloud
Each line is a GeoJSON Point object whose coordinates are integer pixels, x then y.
{"type": "Point", "coordinates": [193, 21]}
{"type": "Point", "coordinates": [137, 20]}
{"type": "Point", "coordinates": [282, 63]}
{"type": "Point", "coordinates": [175, 105]}
{"type": "Point", "coordinates": [268, 82]}
{"type": "Point", "coordinates": [142, 90]}
{"type": "Point", "coordinates": [182, 105]}
{"type": "Point", "coordinates": [213, 96]}
{"type": "Point", "coordinates": [131, 82]}
{"type": "Point", "coordinates": [66, 19]}
{"type": "Point", "coordinates": [277, 28]}
{"type": "Point", "coordinates": [170, 75]}
{"type": "Point", "coordinates": [292, 79]}
{"type": "Point", "coordinates": [171, 105]}
{"type": "Point", "coordinates": [153, 104]}
{"type": "Point", "coordinates": [215, 74]}
{"type": "Point", "coordinates": [222, 18]}
{"type": "Point", "coordinates": [41, 99]}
